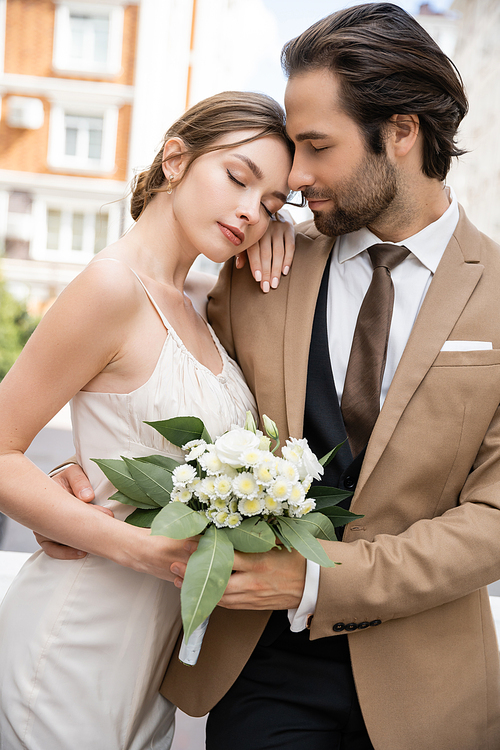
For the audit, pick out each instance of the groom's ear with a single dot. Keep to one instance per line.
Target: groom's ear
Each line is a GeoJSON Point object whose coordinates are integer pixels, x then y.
{"type": "Point", "coordinates": [402, 134]}
{"type": "Point", "coordinates": [175, 158]}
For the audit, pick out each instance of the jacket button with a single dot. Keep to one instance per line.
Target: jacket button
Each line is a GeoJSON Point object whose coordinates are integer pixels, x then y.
{"type": "Point", "coordinates": [375, 622]}
{"type": "Point", "coordinates": [349, 483]}
{"type": "Point", "coordinates": [351, 626]}
{"type": "Point", "coordinates": [363, 625]}
{"type": "Point", "coordinates": [338, 627]}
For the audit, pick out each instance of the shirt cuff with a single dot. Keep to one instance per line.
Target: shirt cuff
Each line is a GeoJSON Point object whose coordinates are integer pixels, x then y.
{"type": "Point", "coordinates": [299, 618]}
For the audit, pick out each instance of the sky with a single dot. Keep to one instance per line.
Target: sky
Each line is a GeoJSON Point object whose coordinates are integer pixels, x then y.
{"type": "Point", "coordinates": [290, 18]}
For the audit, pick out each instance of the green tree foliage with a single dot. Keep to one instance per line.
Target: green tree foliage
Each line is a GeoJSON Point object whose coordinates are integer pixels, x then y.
{"type": "Point", "coordinates": [16, 326]}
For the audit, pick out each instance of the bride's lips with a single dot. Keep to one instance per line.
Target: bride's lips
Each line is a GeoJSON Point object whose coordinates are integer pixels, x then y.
{"type": "Point", "coordinates": [233, 235]}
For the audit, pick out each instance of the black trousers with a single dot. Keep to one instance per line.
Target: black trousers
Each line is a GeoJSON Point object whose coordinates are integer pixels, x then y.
{"type": "Point", "coordinates": [293, 693]}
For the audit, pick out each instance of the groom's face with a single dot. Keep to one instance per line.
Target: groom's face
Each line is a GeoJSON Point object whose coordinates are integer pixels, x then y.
{"type": "Point", "coordinates": [346, 185]}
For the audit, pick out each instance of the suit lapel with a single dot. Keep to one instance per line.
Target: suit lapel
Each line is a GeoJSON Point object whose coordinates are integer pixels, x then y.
{"type": "Point", "coordinates": [454, 281]}
{"type": "Point", "coordinates": [308, 267]}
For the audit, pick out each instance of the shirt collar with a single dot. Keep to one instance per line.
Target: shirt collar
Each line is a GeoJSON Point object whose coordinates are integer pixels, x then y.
{"type": "Point", "coordinates": [428, 245]}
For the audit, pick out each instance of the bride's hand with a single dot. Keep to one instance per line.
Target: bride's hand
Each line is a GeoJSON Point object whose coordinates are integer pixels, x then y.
{"type": "Point", "coordinates": [273, 254]}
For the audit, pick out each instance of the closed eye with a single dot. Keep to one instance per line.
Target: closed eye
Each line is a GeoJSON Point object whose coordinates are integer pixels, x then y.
{"type": "Point", "coordinates": [233, 178]}
{"type": "Point", "coordinates": [322, 148]}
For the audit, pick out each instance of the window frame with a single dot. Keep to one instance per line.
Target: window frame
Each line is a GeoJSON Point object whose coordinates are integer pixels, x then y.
{"type": "Point", "coordinates": [62, 61]}
{"type": "Point", "coordinates": [56, 156]}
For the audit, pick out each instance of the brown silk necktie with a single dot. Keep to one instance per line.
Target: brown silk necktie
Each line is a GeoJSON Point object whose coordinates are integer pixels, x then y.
{"type": "Point", "coordinates": [361, 396]}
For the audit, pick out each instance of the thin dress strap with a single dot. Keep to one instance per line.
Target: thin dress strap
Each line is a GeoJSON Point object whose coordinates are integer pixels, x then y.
{"type": "Point", "coordinates": [150, 296]}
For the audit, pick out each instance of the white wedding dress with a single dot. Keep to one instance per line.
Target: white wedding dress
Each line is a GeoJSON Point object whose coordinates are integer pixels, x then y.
{"type": "Point", "coordinates": [84, 644]}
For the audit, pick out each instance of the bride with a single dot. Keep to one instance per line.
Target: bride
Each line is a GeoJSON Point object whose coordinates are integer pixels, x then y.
{"type": "Point", "coordinates": [84, 644]}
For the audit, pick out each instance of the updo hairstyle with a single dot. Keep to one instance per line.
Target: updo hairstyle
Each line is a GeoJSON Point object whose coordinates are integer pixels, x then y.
{"type": "Point", "coordinates": [202, 126]}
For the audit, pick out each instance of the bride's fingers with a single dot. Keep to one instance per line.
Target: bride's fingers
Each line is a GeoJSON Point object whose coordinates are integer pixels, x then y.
{"type": "Point", "coordinates": [74, 480]}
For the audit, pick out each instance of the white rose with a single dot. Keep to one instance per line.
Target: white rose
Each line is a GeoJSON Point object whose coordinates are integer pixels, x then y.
{"type": "Point", "coordinates": [230, 446]}
{"type": "Point", "coordinates": [309, 464]}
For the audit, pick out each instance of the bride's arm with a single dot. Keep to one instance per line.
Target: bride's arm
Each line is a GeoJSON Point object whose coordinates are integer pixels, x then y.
{"type": "Point", "coordinates": [78, 337]}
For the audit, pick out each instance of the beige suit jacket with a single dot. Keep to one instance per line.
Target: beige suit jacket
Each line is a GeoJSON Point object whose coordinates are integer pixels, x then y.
{"type": "Point", "coordinates": [429, 491]}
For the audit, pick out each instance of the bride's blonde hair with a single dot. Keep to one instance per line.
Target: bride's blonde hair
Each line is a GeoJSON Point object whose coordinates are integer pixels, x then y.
{"type": "Point", "coordinates": [201, 127]}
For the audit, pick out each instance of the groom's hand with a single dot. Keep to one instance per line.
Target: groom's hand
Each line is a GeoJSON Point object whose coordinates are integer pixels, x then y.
{"type": "Point", "coordinates": [274, 580]}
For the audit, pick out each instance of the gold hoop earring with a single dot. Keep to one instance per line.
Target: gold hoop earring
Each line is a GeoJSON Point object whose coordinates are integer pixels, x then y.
{"type": "Point", "coordinates": [170, 186]}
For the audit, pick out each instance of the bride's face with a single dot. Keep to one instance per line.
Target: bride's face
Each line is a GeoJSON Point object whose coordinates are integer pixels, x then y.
{"type": "Point", "coordinates": [225, 201]}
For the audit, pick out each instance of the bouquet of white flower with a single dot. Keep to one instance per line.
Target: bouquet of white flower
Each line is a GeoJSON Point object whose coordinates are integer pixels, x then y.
{"type": "Point", "coordinates": [235, 493]}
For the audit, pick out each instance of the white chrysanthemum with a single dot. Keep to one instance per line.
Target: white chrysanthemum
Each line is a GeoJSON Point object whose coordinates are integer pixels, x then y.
{"type": "Point", "coordinates": [251, 456]}
{"type": "Point", "coordinates": [219, 503]}
{"type": "Point", "coordinates": [288, 470]}
{"type": "Point", "coordinates": [183, 474]}
{"type": "Point", "coordinates": [210, 461]}
{"type": "Point", "coordinates": [220, 518]}
{"type": "Point", "coordinates": [233, 506]}
{"type": "Point", "coordinates": [207, 487]}
{"type": "Point", "coordinates": [245, 485]}
{"type": "Point", "coordinates": [229, 471]}
{"type": "Point", "coordinates": [233, 520]}
{"type": "Point", "coordinates": [266, 469]}
{"type": "Point", "coordinates": [223, 485]}
{"type": "Point", "coordinates": [251, 506]}
{"type": "Point", "coordinates": [280, 488]}
{"type": "Point", "coordinates": [293, 454]}
{"type": "Point", "coordinates": [307, 506]}
{"type": "Point", "coordinates": [195, 448]}
{"type": "Point", "coordinates": [309, 464]}
{"type": "Point", "coordinates": [306, 483]}
{"type": "Point", "coordinates": [273, 506]}
{"type": "Point", "coordinates": [297, 494]}
{"type": "Point", "coordinates": [180, 495]}
{"type": "Point", "coordinates": [211, 512]}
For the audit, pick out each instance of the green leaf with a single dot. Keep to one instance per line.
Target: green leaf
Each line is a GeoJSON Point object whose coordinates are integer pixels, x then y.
{"type": "Point", "coordinates": [121, 498]}
{"type": "Point", "coordinates": [318, 525]}
{"type": "Point", "coordinates": [252, 535]}
{"type": "Point", "coordinates": [207, 574]}
{"type": "Point", "coordinates": [304, 542]}
{"type": "Point", "coordinates": [283, 539]}
{"type": "Point", "coordinates": [332, 494]}
{"type": "Point", "coordinates": [116, 471]}
{"type": "Point", "coordinates": [142, 518]}
{"type": "Point", "coordinates": [167, 463]}
{"type": "Point", "coordinates": [325, 460]}
{"type": "Point", "coordinates": [338, 516]}
{"type": "Point", "coordinates": [153, 480]}
{"type": "Point", "coordinates": [180, 430]}
{"type": "Point", "coordinates": [178, 521]}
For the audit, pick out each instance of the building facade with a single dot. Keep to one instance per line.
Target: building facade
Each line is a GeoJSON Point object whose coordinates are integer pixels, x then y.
{"type": "Point", "coordinates": [67, 93]}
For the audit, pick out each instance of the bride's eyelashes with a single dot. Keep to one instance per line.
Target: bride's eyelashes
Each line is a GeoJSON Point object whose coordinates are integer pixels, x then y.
{"type": "Point", "coordinates": [241, 184]}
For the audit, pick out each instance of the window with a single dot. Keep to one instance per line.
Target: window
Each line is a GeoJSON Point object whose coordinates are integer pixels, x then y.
{"type": "Point", "coordinates": [83, 141]}
{"type": "Point", "coordinates": [88, 38]}
{"type": "Point", "coordinates": [83, 137]}
{"type": "Point", "coordinates": [75, 235]}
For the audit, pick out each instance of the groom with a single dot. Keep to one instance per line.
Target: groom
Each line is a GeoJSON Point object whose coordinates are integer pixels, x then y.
{"type": "Point", "coordinates": [395, 649]}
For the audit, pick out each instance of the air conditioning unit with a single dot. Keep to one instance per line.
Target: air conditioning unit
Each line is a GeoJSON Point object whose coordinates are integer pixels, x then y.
{"type": "Point", "coordinates": [25, 112]}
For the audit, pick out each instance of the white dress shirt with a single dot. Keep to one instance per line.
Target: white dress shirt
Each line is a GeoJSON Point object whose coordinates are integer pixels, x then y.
{"type": "Point", "coordinates": [350, 276]}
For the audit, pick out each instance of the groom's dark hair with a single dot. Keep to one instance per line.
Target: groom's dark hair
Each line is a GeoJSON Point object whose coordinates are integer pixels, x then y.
{"type": "Point", "coordinates": [387, 64]}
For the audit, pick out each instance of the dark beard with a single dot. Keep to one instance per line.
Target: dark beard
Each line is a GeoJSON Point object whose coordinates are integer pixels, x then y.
{"type": "Point", "coordinates": [359, 200]}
